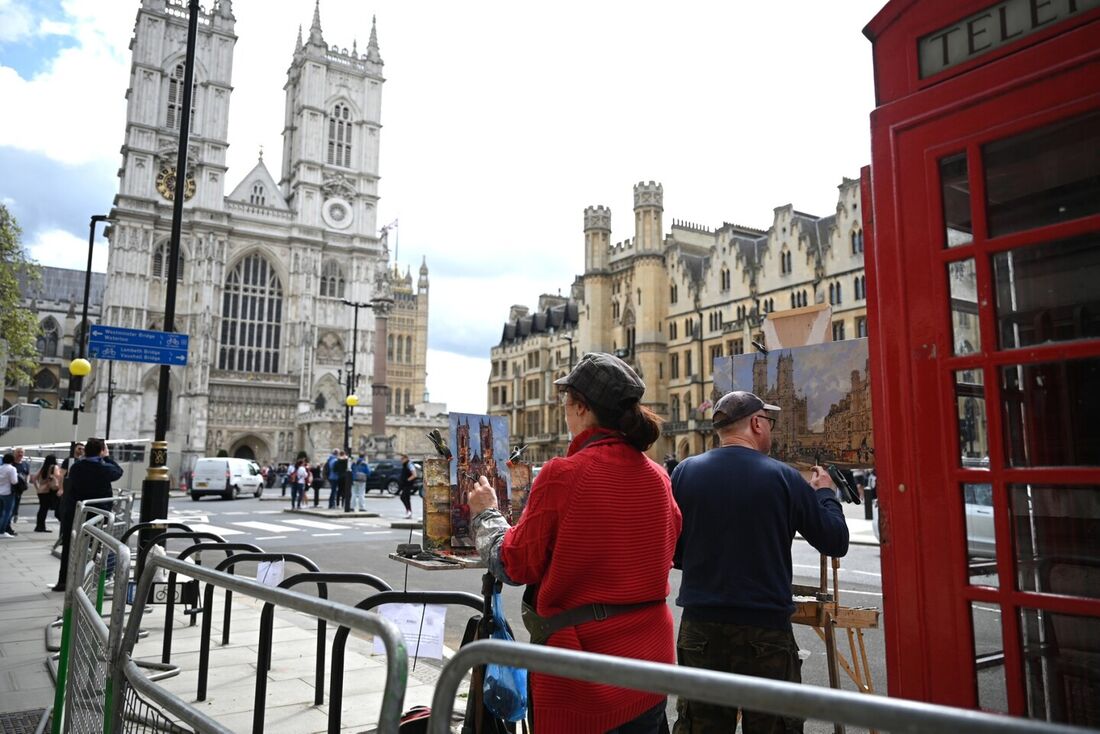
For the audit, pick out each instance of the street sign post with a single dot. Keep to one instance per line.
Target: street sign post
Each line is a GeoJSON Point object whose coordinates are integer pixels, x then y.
{"type": "Point", "coordinates": [138, 345]}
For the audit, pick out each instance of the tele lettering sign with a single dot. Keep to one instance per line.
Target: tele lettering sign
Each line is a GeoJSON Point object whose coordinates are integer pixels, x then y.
{"type": "Point", "coordinates": [138, 345]}
{"type": "Point", "coordinates": [1000, 24]}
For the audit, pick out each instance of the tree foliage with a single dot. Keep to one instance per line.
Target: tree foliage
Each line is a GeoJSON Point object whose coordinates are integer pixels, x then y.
{"type": "Point", "coordinates": [18, 325]}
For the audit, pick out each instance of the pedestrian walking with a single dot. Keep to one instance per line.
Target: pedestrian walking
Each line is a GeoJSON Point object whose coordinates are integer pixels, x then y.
{"type": "Point", "coordinates": [23, 472]}
{"type": "Point", "coordinates": [89, 479]}
{"type": "Point", "coordinates": [405, 484]}
{"type": "Point", "coordinates": [333, 479]}
{"type": "Point", "coordinates": [342, 469]}
{"type": "Point", "coordinates": [316, 481]}
{"type": "Point", "coordinates": [741, 510]}
{"type": "Point", "coordinates": [47, 485]}
{"type": "Point", "coordinates": [585, 593]}
{"type": "Point", "coordinates": [360, 472]}
{"type": "Point", "coordinates": [8, 478]}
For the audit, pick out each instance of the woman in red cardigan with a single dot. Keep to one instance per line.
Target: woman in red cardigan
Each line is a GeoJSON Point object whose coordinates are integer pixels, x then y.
{"type": "Point", "coordinates": [599, 530]}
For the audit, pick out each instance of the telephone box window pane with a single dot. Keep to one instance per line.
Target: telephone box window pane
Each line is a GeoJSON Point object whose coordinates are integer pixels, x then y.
{"type": "Point", "coordinates": [1043, 176]}
{"type": "Point", "coordinates": [1060, 669]}
{"type": "Point", "coordinates": [989, 657]}
{"type": "Point", "coordinates": [981, 543]}
{"type": "Point", "coordinates": [1057, 529]}
{"type": "Point", "coordinates": [1048, 292]}
{"type": "Point", "coordinates": [1050, 411]}
{"type": "Point", "coordinates": [973, 426]}
{"type": "Point", "coordinates": [962, 281]}
{"type": "Point", "coordinates": [955, 188]}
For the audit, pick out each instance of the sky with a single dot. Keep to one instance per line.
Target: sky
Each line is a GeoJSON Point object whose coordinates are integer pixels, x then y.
{"type": "Point", "coordinates": [501, 122]}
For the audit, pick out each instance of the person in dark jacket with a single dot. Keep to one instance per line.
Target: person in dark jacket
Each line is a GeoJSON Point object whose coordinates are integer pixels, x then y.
{"type": "Point", "coordinates": [741, 511]}
{"type": "Point", "coordinates": [89, 479]}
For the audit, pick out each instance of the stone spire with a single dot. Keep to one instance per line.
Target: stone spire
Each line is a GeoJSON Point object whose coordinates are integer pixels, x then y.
{"type": "Point", "coordinates": [315, 29]}
{"type": "Point", "coordinates": [298, 44]}
{"type": "Point", "coordinates": [372, 46]}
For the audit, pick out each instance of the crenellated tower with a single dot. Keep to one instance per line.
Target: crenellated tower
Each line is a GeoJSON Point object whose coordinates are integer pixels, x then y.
{"type": "Point", "coordinates": [595, 318]}
{"type": "Point", "coordinates": [645, 338]}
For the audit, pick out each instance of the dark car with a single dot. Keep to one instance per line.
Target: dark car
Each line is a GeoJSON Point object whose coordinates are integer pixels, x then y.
{"type": "Point", "coordinates": [385, 475]}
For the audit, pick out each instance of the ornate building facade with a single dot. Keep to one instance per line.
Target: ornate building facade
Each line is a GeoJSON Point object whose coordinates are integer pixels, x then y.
{"type": "Point", "coordinates": [265, 271]}
{"type": "Point", "coordinates": [671, 302]}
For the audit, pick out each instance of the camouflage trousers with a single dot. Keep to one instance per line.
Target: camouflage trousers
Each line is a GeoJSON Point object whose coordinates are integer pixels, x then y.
{"type": "Point", "coordinates": [734, 648]}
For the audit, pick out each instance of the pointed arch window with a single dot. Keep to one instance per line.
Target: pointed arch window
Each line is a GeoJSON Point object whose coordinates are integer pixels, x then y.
{"type": "Point", "coordinates": [857, 241]}
{"type": "Point", "coordinates": [408, 349]}
{"type": "Point", "coordinates": [725, 278]}
{"type": "Point", "coordinates": [339, 136]}
{"type": "Point", "coordinates": [160, 262]}
{"type": "Point", "coordinates": [332, 280]}
{"type": "Point", "coordinates": [252, 317]}
{"type": "Point", "coordinates": [49, 335]}
{"type": "Point", "coordinates": [175, 100]}
{"type": "Point", "coordinates": [258, 196]}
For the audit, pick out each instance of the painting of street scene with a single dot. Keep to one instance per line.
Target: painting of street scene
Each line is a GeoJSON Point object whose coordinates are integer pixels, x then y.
{"type": "Point", "coordinates": [825, 396]}
{"type": "Point", "coordinates": [479, 445]}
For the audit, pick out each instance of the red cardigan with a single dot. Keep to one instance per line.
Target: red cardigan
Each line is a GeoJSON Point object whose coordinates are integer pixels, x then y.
{"type": "Point", "coordinates": [600, 526]}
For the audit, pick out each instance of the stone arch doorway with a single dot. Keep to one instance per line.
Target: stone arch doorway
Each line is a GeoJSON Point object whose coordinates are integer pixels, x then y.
{"type": "Point", "coordinates": [244, 451]}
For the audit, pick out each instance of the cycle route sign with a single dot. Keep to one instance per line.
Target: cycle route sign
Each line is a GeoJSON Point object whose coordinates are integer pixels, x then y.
{"type": "Point", "coordinates": [138, 345]}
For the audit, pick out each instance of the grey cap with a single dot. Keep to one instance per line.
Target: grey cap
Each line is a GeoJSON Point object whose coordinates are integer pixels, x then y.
{"type": "Point", "coordinates": [605, 382]}
{"type": "Point", "coordinates": [733, 406]}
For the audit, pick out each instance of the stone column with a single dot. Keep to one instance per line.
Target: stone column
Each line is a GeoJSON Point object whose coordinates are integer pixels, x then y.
{"type": "Point", "coordinates": [379, 389]}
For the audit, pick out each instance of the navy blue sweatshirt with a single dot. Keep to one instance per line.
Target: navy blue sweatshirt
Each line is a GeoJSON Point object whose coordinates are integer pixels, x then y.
{"type": "Point", "coordinates": [741, 510]}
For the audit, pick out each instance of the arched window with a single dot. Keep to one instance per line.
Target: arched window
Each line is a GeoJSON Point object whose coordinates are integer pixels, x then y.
{"type": "Point", "coordinates": [408, 401]}
{"type": "Point", "coordinates": [332, 280]}
{"type": "Point", "coordinates": [389, 347]}
{"type": "Point", "coordinates": [45, 380]}
{"type": "Point", "coordinates": [675, 409]}
{"type": "Point", "coordinates": [160, 261]}
{"type": "Point", "coordinates": [48, 338]}
{"type": "Point", "coordinates": [838, 298]}
{"type": "Point", "coordinates": [400, 349]}
{"type": "Point", "coordinates": [175, 99]}
{"type": "Point", "coordinates": [408, 349]}
{"type": "Point", "coordinates": [339, 136]}
{"type": "Point", "coordinates": [252, 317]}
{"type": "Point", "coordinates": [857, 241]}
{"type": "Point", "coordinates": [725, 278]}
{"type": "Point", "coordinates": [258, 195]}
{"type": "Point", "coordinates": [832, 294]}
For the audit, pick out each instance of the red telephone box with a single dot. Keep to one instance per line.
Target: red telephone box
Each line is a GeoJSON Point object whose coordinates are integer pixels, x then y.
{"type": "Point", "coordinates": [983, 214]}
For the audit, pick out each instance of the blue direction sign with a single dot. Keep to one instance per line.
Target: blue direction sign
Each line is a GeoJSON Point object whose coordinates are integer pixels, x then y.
{"type": "Point", "coordinates": [138, 345]}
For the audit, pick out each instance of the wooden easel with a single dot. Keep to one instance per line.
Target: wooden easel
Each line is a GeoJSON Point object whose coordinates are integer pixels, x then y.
{"type": "Point", "coordinates": [824, 613]}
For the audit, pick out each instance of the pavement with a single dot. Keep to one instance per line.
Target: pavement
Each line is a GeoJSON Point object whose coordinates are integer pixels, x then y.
{"type": "Point", "coordinates": [27, 607]}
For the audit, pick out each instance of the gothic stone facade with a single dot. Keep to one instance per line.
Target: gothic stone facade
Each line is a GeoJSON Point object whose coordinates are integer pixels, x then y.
{"type": "Point", "coordinates": [263, 272]}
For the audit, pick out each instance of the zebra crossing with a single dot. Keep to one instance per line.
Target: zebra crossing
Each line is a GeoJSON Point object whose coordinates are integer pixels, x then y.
{"type": "Point", "coordinates": [270, 528]}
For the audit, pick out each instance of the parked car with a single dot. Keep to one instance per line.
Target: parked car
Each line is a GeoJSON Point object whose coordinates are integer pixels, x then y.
{"type": "Point", "coordinates": [385, 476]}
{"type": "Point", "coordinates": [226, 477]}
{"type": "Point", "coordinates": [978, 505]}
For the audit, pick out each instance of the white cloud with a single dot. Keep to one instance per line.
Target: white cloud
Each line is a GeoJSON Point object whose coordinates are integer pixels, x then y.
{"type": "Point", "coordinates": [458, 381]}
{"type": "Point", "coordinates": [61, 249]}
{"type": "Point", "coordinates": [16, 21]}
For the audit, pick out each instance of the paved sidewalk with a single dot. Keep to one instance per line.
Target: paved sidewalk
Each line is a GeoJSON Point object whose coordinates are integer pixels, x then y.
{"type": "Point", "coordinates": [27, 606]}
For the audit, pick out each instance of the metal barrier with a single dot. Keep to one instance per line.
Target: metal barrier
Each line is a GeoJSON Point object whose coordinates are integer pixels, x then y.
{"type": "Point", "coordinates": [267, 616]}
{"type": "Point", "coordinates": [340, 639]}
{"type": "Point", "coordinates": [134, 691]}
{"type": "Point", "coordinates": [725, 689]}
{"type": "Point", "coordinates": [208, 603]}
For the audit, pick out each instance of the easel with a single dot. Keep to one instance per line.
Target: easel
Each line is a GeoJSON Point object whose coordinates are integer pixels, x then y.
{"type": "Point", "coordinates": [824, 613]}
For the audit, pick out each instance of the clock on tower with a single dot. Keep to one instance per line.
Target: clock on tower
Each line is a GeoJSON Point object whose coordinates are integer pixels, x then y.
{"type": "Point", "coordinates": [166, 183]}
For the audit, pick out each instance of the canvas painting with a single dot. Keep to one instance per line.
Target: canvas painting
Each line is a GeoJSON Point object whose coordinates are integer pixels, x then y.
{"type": "Point", "coordinates": [825, 395]}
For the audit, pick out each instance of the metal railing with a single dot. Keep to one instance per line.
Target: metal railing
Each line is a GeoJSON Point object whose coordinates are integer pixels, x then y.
{"type": "Point", "coordinates": [725, 689]}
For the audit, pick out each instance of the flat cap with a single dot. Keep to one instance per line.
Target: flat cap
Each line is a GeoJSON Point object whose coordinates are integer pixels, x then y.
{"type": "Point", "coordinates": [605, 381]}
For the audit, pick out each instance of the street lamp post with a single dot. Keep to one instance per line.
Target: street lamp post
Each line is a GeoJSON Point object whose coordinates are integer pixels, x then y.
{"type": "Point", "coordinates": [569, 338]}
{"type": "Point", "coordinates": [80, 367]}
{"type": "Point", "coordinates": [381, 308]}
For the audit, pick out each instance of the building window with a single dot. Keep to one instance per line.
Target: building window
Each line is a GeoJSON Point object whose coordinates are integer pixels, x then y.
{"type": "Point", "coordinates": [408, 349]}
{"type": "Point", "coordinates": [834, 294]}
{"type": "Point", "coordinates": [838, 331]}
{"type": "Point", "coordinates": [673, 330]}
{"type": "Point", "coordinates": [160, 262]}
{"type": "Point", "coordinates": [725, 278]}
{"type": "Point", "coordinates": [48, 338]}
{"type": "Point", "coordinates": [861, 287]}
{"type": "Point", "coordinates": [258, 195]}
{"type": "Point", "coordinates": [688, 372]}
{"type": "Point", "coordinates": [857, 242]}
{"type": "Point", "coordinates": [400, 357]}
{"type": "Point", "coordinates": [339, 136]}
{"type": "Point", "coordinates": [674, 408]}
{"type": "Point", "coordinates": [332, 280]}
{"type": "Point", "coordinates": [785, 262]}
{"type": "Point", "coordinates": [861, 327]}
{"type": "Point", "coordinates": [736, 346]}
{"type": "Point", "coordinates": [252, 317]}
{"type": "Point", "coordinates": [674, 366]}
{"type": "Point", "coordinates": [715, 353]}
{"type": "Point", "coordinates": [175, 100]}
{"type": "Point", "coordinates": [496, 396]}
{"type": "Point", "coordinates": [673, 294]}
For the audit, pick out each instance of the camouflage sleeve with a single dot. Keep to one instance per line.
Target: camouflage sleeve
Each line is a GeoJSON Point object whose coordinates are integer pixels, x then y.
{"type": "Point", "coordinates": [489, 528]}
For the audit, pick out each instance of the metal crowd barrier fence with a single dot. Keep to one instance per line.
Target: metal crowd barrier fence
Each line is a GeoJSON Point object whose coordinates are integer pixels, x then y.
{"type": "Point", "coordinates": [340, 639]}
{"type": "Point", "coordinates": [267, 615]}
{"type": "Point", "coordinates": [136, 698]}
{"type": "Point", "coordinates": [725, 689]}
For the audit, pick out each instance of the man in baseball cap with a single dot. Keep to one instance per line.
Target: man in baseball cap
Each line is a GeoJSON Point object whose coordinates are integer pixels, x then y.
{"type": "Point", "coordinates": [741, 510]}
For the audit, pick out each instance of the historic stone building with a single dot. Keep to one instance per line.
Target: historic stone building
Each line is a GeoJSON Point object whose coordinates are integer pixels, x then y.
{"type": "Point", "coordinates": [671, 302]}
{"type": "Point", "coordinates": [265, 270]}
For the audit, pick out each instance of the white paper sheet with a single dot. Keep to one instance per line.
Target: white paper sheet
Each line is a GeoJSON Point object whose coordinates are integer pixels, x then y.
{"type": "Point", "coordinates": [422, 626]}
{"type": "Point", "coordinates": [270, 572]}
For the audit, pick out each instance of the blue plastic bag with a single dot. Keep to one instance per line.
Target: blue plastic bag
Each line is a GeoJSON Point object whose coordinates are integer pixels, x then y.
{"type": "Point", "coordinates": [505, 689]}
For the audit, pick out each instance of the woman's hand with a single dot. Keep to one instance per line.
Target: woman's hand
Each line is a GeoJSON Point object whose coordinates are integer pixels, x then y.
{"type": "Point", "coordinates": [481, 497]}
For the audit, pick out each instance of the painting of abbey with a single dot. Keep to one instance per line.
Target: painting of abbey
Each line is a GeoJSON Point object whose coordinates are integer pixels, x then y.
{"type": "Point", "coordinates": [825, 396]}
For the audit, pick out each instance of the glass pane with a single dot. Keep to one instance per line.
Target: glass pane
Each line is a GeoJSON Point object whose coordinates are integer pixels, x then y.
{"type": "Point", "coordinates": [1043, 176]}
{"type": "Point", "coordinates": [989, 657]}
{"type": "Point", "coordinates": [981, 543]}
{"type": "Point", "coordinates": [1057, 531]}
{"type": "Point", "coordinates": [1060, 665]}
{"type": "Point", "coordinates": [973, 427]}
{"type": "Point", "coordinates": [955, 189]}
{"type": "Point", "coordinates": [1048, 292]}
{"type": "Point", "coordinates": [962, 281]}
{"type": "Point", "coordinates": [1050, 411]}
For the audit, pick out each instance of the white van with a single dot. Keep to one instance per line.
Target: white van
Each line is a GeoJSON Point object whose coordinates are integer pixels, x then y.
{"type": "Point", "coordinates": [226, 477]}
